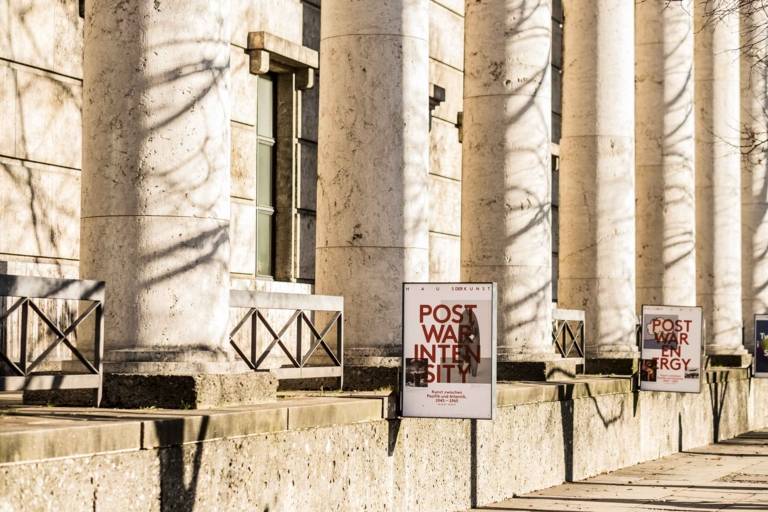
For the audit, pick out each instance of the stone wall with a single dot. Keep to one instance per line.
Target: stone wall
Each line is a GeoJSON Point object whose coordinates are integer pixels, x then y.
{"type": "Point", "coordinates": [40, 147]}
{"type": "Point", "coordinates": [40, 142]}
{"type": "Point", "coordinates": [542, 435]}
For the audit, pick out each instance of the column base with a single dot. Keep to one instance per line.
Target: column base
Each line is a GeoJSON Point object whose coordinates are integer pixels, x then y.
{"type": "Point", "coordinates": [539, 369]}
{"type": "Point", "coordinates": [729, 356]}
{"type": "Point", "coordinates": [613, 365]}
{"type": "Point", "coordinates": [192, 391]}
{"type": "Point", "coordinates": [60, 397]}
{"type": "Point", "coordinates": [371, 378]}
{"type": "Point", "coordinates": [372, 368]}
{"type": "Point", "coordinates": [167, 391]}
{"type": "Point", "coordinates": [730, 360]}
{"type": "Point", "coordinates": [167, 377]}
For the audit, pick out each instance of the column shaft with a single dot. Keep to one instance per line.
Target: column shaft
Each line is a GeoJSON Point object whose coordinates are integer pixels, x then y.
{"type": "Point", "coordinates": [665, 176]}
{"type": "Point", "coordinates": [597, 198]}
{"type": "Point", "coordinates": [718, 189]}
{"type": "Point", "coordinates": [754, 176]}
{"type": "Point", "coordinates": [372, 231]}
{"type": "Point", "coordinates": [155, 182]}
{"type": "Point", "coordinates": [506, 201]}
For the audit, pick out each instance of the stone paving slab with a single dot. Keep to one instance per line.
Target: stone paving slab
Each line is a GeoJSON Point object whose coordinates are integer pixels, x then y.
{"type": "Point", "coordinates": [731, 475]}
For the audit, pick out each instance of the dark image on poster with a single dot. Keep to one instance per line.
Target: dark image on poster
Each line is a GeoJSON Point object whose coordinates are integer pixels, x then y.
{"type": "Point", "coordinates": [761, 346]}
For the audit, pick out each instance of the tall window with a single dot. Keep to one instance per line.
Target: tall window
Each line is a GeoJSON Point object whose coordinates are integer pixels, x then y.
{"type": "Point", "coordinates": [557, 121]}
{"type": "Point", "coordinates": [265, 184]}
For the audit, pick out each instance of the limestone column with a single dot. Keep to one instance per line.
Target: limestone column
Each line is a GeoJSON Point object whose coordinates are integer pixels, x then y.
{"type": "Point", "coordinates": [665, 147]}
{"type": "Point", "coordinates": [505, 202]}
{"type": "Point", "coordinates": [754, 178]}
{"type": "Point", "coordinates": [718, 190]}
{"type": "Point", "coordinates": [155, 182]}
{"type": "Point", "coordinates": [597, 185]}
{"type": "Point", "coordinates": [372, 172]}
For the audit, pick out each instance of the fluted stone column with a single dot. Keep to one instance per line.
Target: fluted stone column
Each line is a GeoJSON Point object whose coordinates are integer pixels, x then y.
{"type": "Point", "coordinates": [372, 172]}
{"type": "Point", "coordinates": [505, 202]}
{"type": "Point", "coordinates": [754, 175]}
{"type": "Point", "coordinates": [718, 189]}
{"type": "Point", "coordinates": [665, 176]}
{"type": "Point", "coordinates": [155, 182]}
{"type": "Point", "coordinates": [597, 185]}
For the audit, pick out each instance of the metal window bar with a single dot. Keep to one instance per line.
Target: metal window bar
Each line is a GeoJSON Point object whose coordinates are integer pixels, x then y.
{"type": "Point", "coordinates": [257, 303]}
{"type": "Point", "coordinates": [568, 334]}
{"type": "Point", "coordinates": [23, 375]}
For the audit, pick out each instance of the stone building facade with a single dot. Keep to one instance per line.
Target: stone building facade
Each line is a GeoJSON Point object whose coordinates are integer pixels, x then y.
{"type": "Point", "coordinates": [589, 152]}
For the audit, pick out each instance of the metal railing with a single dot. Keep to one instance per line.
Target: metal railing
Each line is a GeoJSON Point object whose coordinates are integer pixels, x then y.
{"type": "Point", "coordinates": [257, 303]}
{"type": "Point", "coordinates": [568, 332]}
{"type": "Point", "coordinates": [25, 375]}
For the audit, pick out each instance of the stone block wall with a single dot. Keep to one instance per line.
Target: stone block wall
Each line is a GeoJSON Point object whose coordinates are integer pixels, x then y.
{"type": "Point", "coordinates": [40, 140]}
{"type": "Point", "coordinates": [40, 148]}
{"type": "Point", "coordinates": [540, 437]}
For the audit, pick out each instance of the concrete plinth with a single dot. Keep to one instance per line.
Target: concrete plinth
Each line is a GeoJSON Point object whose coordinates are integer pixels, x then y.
{"type": "Point", "coordinates": [538, 369]}
{"type": "Point", "coordinates": [730, 360]}
{"type": "Point", "coordinates": [718, 177]}
{"type": "Point", "coordinates": [192, 391]}
{"type": "Point", "coordinates": [597, 178]}
{"type": "Point", "coordinates": [506, 190]}
{"type": "Point", "coordinates": [666, 219]}
{"type": "Point", "coordinates": [373, 148]}
{"type": "Point", "coordinates": [371, 369]}
{"type": "Point", "coordinates": [626, 365]}
{"type": "Point", "coordinates": [167, 390]}
{"type": "Point", "coordinates": [61, 397]}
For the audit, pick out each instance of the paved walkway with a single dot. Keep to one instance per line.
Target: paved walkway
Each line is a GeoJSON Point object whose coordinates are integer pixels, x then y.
{"type": "Point", "coordinates": [731, 475]}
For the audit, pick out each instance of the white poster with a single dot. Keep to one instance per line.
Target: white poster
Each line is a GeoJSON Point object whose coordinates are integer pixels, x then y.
{"type": "Point", "coordinates": [671, 349]}
{"type": "Point", "coordinates": [449, 350]}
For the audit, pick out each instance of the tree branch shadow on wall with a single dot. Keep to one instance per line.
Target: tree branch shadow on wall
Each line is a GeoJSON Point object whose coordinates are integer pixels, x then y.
{"type": "Point", "coordinates": [179, 471]}
{"type": "Point", "coordinates": [717, 394]}
{"type": "Point", "coordinates": [567, 418]}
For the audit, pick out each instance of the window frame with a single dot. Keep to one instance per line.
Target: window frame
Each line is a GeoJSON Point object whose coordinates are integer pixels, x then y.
{"type": "Point", "coordinates": [261, 209]}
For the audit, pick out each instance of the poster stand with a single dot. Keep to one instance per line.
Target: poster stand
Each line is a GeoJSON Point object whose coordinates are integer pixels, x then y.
{"type": "Point", "coordinates": [448, 367]}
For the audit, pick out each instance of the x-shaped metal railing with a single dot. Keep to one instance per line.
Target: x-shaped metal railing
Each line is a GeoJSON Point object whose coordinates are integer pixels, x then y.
{"type": "Point", "coordinates": [25, 374]}
{"type": "Point", "coordinates": [568, 332]}
{"type": "Point", "coordinates": [257, 303]}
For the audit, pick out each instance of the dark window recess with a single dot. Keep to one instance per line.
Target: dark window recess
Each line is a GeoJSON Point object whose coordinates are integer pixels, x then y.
{"type": "Point", "coordinates": [81, 8]}
{"type": "Point", "coordinates": [557, 121]}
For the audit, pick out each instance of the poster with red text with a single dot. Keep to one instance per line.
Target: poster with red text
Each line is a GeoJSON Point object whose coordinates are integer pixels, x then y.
{"type": "Point", "coordinates": [671, 353]}
{"type": "Point", "coordinates": [449, 350]}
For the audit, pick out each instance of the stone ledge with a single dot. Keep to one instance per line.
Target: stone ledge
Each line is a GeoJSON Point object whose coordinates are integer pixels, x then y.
{"type": "Point", "coordinates": [508, 395]}
{"type": "Point", "coordinates": [47, 439]}
{"type": "Point", "coordinates": [30, 434]}
{"type": "Point", "coordinates": [341, 412]}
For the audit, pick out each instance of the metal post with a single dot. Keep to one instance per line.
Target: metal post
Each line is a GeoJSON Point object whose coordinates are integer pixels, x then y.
{"type": "Point", "coordinates": [23, 335]}
{"type": "Point", "coordinates": [99, 350]}
{"type": "Point", "coordinates": [254, 337]}
{"type": "Point", "coordinates": [299, 353]}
